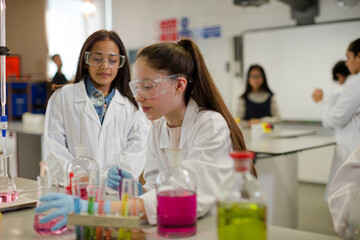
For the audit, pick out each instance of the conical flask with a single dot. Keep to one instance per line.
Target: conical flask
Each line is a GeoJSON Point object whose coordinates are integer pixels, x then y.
{"type": "Point", "coordinates": [8, 191]}
{"type": "Point", "coordinates": [176, 197]}
{"type": "Point", "coordinates": [82, 168]}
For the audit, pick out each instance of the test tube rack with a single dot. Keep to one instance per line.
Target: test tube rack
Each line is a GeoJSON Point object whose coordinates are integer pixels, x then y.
{"type": "Point", "coordinates": [109, 221]}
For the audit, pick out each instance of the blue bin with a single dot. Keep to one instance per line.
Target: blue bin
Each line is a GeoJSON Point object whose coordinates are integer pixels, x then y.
{"type": "Point", "coordinates": [19, 104]}
{"type": "Point", "coordinates": [38, 94]}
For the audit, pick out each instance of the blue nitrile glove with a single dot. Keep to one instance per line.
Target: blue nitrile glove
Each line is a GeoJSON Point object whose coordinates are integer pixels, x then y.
{"type": "Point", "coordinates": [65, 205]}
{"type": "Point", "coordinates": [113, 178]}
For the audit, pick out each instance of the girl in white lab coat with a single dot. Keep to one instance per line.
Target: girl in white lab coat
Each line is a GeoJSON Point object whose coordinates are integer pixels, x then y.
{"type": "Point", "coordinates": [340, 72]}
{"type": "Point", "coordinates": [98, 111]}
{"type": "Point", "coordinates": [348, 174]}
{"type": "Point", "coordinates": [175, 90]}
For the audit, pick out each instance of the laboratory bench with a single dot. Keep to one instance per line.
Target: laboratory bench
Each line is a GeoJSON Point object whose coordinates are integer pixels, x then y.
{"type": "Point", "coordinates": [18, 224]}
{"type": "Point", "coordinates": [276, 164]}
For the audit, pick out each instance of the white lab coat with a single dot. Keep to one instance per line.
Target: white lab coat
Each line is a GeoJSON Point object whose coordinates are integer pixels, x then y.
{"type": "Point", "coordinates": [344, 117]}
{"type": "Point", "coordinates": [71, 119]}
{"type": "Point", "coordinates": [347, 176]}
{"type": "Point", "coordinates": [205, 138]}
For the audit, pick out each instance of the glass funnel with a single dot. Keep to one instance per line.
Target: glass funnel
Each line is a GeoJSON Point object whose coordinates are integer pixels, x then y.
{"type": "Point", "coordinates": [82, 168]}
{"type": "Point", "coordinates": [8, 191]}
{"type": "Point", "coordinates": [176, 197]}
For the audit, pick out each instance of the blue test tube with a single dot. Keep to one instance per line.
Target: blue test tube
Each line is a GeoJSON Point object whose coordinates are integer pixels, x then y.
{"type": "Point", "coordinates": [76, 193]}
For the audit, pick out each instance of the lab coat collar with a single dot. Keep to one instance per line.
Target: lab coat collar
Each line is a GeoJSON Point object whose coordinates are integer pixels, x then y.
{"type": "Point", "coordinates": [113, 108]}
{"type": "Point", "coordinates": [190, 114]}
{"type": "Point", "coordinates": [81, 96]}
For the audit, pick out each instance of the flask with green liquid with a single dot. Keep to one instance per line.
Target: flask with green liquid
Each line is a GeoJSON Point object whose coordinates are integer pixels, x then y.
{"type": "Point", "coordinates": [241, 208]}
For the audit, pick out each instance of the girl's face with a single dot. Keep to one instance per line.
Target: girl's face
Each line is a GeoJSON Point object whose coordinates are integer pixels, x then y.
{"type": "Point", "coordinates": [168, 99]}
{"type": "Point", "coordinates": [353, 62]}
{"type": "Point", "coordinates": [255, 79]}
{"type": "Point", "coordinates": [102, 76]}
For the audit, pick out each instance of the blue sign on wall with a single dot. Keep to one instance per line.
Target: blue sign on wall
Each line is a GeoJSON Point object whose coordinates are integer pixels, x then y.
{"type": "Point", "coordinates": [211, 32]}
{"type": "Point", "coordinates": [185, 32]}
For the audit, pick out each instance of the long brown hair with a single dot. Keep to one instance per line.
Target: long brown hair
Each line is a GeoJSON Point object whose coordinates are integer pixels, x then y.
{"type": "Point", "coordinates": [185, 57]}
{"type": "Point", "coordinates": [122, 79]}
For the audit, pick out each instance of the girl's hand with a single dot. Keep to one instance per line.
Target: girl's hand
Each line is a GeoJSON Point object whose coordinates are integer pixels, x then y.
{"type": "Point", "coordinates": [253, 121]}
{"type": "Point", "coordinates": [317, 95]}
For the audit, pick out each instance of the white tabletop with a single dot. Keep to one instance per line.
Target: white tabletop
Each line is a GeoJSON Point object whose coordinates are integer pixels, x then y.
{"type": "Point", "coordinates": [19, 225]}
{"type": "Point", "coordinates": [279, 146]}
{"type": "Point", "coordinates": [20, 127]}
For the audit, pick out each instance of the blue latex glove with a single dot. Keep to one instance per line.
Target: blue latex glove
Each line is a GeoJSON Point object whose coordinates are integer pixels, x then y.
{"type": "Point", "coordinates": [64, 205]}
{"type": "Point", "coordinates": [113, 178]}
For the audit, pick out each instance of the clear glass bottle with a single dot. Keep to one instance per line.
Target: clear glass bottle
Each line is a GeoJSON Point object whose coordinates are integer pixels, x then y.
{"type": "Point", "coordinates": [8, 191]}
{"type": "Point", "coordinates": [82, 168]}
{"type": "Point", "coordinates": [241, 208]}
{"type": "Point", "coordinates": [176, 199]}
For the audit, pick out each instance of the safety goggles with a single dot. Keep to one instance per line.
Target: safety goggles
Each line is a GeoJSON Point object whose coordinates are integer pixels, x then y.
{"type": "Point", "coordinates": [149, 88]}
{"type": "Point", "coordinates": [97, 59]}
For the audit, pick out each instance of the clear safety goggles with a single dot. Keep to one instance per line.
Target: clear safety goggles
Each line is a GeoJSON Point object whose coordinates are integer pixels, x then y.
{"type": "Point", "coordinates": [97, 59]}
{"type": "Point", "coordinates": [148, 88]}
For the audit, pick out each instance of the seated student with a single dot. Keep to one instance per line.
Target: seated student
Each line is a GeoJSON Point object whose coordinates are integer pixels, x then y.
{"type": "Point", "coordinates": [348, 174]}
{"type": "Point", "coordinates": [176, 91]}
{"type": "Point", "coordinates": [59, 78]}
{"type": "Point", "coordinates": [340, 72]}
{"type": "Point", "coordinates": [98, 111]}
{"type": "Point", "coordinates": [258, 103]}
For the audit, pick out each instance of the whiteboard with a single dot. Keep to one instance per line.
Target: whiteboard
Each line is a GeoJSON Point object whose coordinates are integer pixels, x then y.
{"type": "Point", "coordinates": [297, 60]}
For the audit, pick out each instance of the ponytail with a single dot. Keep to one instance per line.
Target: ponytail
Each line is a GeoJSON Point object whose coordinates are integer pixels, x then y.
{"type": "Point", "coordinates": [185, 57]}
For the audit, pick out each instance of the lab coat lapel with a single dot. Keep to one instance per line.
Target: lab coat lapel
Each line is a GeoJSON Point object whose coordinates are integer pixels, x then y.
{"type": "Point", "coordinates": [164, 136]}
{"type": "Point", "coordinates": [116, 103]}
{"type": "Point", "coordinates": [82, 97]}
{"type": "Point", "coordinates": [191, 112]}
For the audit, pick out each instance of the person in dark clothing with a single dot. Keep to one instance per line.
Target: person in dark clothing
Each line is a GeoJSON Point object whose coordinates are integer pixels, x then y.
{"type": "Point", "coordinates": [257, 104]}
{"type": "Point", "coordinates": [59, 78]}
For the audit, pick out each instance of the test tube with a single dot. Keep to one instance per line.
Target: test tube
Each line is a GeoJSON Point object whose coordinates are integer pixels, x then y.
{"type": "Point", "coordinates": [91, 194]}
{"type": "Point", "coordinates": [118, 161]}
{"type": "Point", "coordinates": [76, 192]}
{"type": "Point", "coordinates": [100, 198]}
{"type": "Point", "coordinates": [127, 193]}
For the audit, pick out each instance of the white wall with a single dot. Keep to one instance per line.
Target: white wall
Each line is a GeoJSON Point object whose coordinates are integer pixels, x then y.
{"type": "Point", "coordinates": [137, 23]}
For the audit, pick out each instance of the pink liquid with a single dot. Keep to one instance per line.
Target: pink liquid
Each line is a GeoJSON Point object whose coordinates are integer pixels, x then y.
{"type": "Point", "coordinates": [45, 228]}
{"type": "Point", "coordinates": [176, 213]}
{"type": "Point", "coordinates": [83, 193]}
{"type": "Point", "coordinates": [8, 197]}
{"type": "Point", "coordinates": [101, 210]}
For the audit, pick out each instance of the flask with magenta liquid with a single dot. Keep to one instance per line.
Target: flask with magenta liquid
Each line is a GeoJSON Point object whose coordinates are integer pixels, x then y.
{"type": "Point", "coordinates": [44, 186]}
{"type": "Point", "coordinates": [176, 199]}
{"type": "Point", "coordinates": [241, 207]}
{"type": "Point", "coordinates": [84, 169]}
{"type": "Point", "coordinates": [8, 192]}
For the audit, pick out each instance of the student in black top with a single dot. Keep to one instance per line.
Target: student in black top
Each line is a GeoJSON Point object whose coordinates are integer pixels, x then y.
{"type": "Point", "coordinates": [59, 78]}
{"type": "Point", "coordinates": [258, 103]}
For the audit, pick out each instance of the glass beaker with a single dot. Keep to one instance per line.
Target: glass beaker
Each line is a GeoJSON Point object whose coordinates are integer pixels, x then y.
{"type": "Point", "coordinates": [8, 191]}
{"type": "Point", "coordinates": [176, 197]}
{"type": "Point", "coordinates": [45, 228]}
{"type": "Point", "coordinates": [84, 169]}
{"type": "Point", "coordinates": [241, 208]}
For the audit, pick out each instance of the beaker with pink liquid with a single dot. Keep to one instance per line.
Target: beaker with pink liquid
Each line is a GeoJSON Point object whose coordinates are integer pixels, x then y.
{"type": "Point", "coordinates": [44, 186]}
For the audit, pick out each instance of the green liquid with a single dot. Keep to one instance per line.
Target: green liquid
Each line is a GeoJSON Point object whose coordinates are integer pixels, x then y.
{"type": "Point", "coordinates": [91, 205]}
{"type": "Point", "coordinates": [241, 221]}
